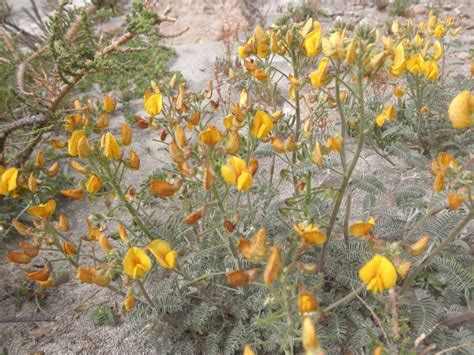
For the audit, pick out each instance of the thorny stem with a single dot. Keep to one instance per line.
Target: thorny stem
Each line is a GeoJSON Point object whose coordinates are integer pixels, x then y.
{"type": "Point", "coordinates": [298, 120]}
{"type": "Point", "coordinates": [350, 169]}
{"type": "Point", "coordinates": [454, 233]}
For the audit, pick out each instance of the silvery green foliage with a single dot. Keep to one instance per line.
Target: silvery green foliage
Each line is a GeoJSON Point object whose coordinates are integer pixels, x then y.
{"type": "Point", "coordinates": [186, 322]}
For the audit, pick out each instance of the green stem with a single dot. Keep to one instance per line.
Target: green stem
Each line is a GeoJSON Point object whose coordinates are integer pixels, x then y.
{"type": "Point", "coordinates": [350, 169]}
{"type": "Point", "coordinates": [127, 204]}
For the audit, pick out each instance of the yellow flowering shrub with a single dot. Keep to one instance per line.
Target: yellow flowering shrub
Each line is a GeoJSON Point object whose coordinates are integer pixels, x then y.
{"type": "Point", "coordinates": [241, 242]}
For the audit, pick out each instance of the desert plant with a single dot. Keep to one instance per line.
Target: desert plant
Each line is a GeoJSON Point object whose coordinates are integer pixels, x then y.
{"type": "Point", "coordinates": [252, 249]}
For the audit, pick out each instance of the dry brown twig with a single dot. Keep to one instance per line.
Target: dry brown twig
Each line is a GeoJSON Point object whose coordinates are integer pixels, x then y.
{"type": "Point", "coordinates": [56, 94]}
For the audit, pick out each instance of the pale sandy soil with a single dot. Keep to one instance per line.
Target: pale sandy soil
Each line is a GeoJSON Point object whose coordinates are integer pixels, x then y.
{"type": "Point", "coordinates": [72, 331]}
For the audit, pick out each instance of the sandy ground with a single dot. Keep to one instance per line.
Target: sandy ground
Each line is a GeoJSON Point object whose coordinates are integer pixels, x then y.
{"type": "Point", "coordinates": [72, 331]}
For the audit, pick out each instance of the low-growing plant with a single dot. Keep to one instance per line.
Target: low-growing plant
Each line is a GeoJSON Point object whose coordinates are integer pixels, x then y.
{"type": "Point", "coordinates": [254, 249]}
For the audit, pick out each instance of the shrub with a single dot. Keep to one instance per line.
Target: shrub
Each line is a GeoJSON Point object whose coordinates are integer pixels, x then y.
{"type": "Point", "coordinates": [251, 250]}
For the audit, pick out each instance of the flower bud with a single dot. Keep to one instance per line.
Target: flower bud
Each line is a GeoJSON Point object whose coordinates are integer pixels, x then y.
{"type": "Point", "coordinates": [94, 183]}
{"type": "Point", "coordinates": [208, 178]}
{"type": "Point", "coordinates": [163, 189]}
{"type": "Point", "coordinates": [53, 169]}
{"type": "Point", "coordinates": [122, 231]}
{"type": "Point", "coordinates": [134, 160]}
{"type": "Point", "coordinates": [104, 243]}
{"type": "Point", "coordinates": [32, 183]}
{"type": "Point", "coordinates": [126, 134]}
{"type": "Point", "coordinates": [419, 247]}
{"type": "Point", "coordinates": [272, 270]}
{"type": "Point", "coordinates": [69, 248]}
{"type": "Point", "coordinates": [73, 194]}
{"type": "Point", "coordinates": [253, 166]}
{"type": "Point", "coordinates": [39, 160]}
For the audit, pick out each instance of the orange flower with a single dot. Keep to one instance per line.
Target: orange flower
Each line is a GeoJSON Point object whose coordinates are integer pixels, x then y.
{"type": "Point", "coordinates": [254, 249]}
{"type": "Point", "coordinates": [73, 194]}
{"type": "Point", "coordinates": [455, 200]}
{"type": "Point", "coordinates": [18, 257]}
{"type": "Point", "coordinates": [310, 233]}
{"type": "Point", "coordinates": [237, 278]}
{"type": "Point", "coordinates": [126, 134]}
{"type": "Point", "coordinates": [69, 248]}
{"type": "Point", "coordinates": [361, 228]}
{"type": "Point", "coordinates": [163, 189]}
{"type": "Point", "coordinates": [110, 147]}
{"type": "Point", "coordinates": [43, 210]}
{"type": "Point", "coordinates": [40, 275]}
{"type": "Point", "coordinates": [307, 302]}
{"type": "Point", "coordinates": [109, 104]}
{"type": "Point", "coordinates": [272, 270]}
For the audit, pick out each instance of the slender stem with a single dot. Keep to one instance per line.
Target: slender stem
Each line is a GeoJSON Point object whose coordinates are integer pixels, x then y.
{"type": "Point", "coordinates": [350, 169]}
{"type": "Point", "coordinates": [127, 204]}
{"type": "Point", "coordinates": [345, 299]}
{"type": "Point", "coordinates": [145, 294]}
{"type": "Point", "coordinates": [346, 218]}
{"type": "Point", "coordinates": [454, 233]}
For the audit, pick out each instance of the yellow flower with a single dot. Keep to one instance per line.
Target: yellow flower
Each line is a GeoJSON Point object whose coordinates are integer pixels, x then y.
{"type": "Point", "coordinates": [109, 104]}
{"type": "Point", "coordinates": [129, 302]}
{"type": "Point", "coordinates": [153, 103]}
{"type": "Point", "coordinates": [94, 183]}
{"type": "Point", "coordinates": [439, 31]}
{"type": "Point", "coordinates": [351, 54]}
{"type": "Point", "coordinates": [334, 143]}
{"type": "Point", "coordinates": [162, 251]}
{"type": "Point", "coordinates": [272, 270]}
{"type": "Point", "coordinates": [262, 125]}
{"type": "Point", "coordinates": [210, 136]}
{"type": "Point", "coordinates": [431, 71]}
{"type": "Point", "coordinates": [378, 274]}
{"type": "Point", "coordinates": [8, 181]}
{"type": "Point", "coordinates": [136, 263]}
{"type": "Point", "coordinates": [233, 145]}
{"type": "Point", "coordinates": [437, 50]}
{"type": "Point", "coordinates": [440, 166]}
{"type": "Point", "coordinates": [461, 110]}
{"type": "Point", "coordinates": [235, 172]}
{"type": "Point", "coordinates": [90, 276]}
{"type": "Point", "coordinates": [310, 233]}
{"type": "Point", "coordinates": [399, 63]}
{"type": "Point", "coordinates": [416, 64]}
{"type": "Point", "coordinates": [311, 43]}
{"type": "Point", "coordinates": [73, 143]}
{"type": "Point", "coordinates": [387, 114]}
{"type": "Point", "coordinates": [39, 159]}
{"type": "Point", "coordinates": [307, 302]}
{"type": "Point", "coordinates": [78, 167]}
{"type": "Point", "coordinates": [319, 78]}
{"type": "Point", "coordinates": [294, 86]}
{"type": "Point", "coordinates": [43, 210]}
{"type": "Point", "coordinates": [361, 228]}
{"type": "Point", "coordinates": [395, 27]}
{"type": "Point", "coordinates": [398, 92]}
{"type": "Point", "coordinates": [333, 45]}
{"type": "Point", "coordinates": [317, 156]}
{"type": "Point", "coordinates": [309, 338]}
{"type": "Point", "coordinates": [104, 243]}
{"type": "Point", "coordinates": [126, 134]}
{"type": "Point", "coordinates": [254, 249]}
{"type": "Point", "coordinates": [110, 147]}
{"type": "Point", "coordinates": [248, 350]}
{"type": "Point", "coordinates": [419, 247]}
